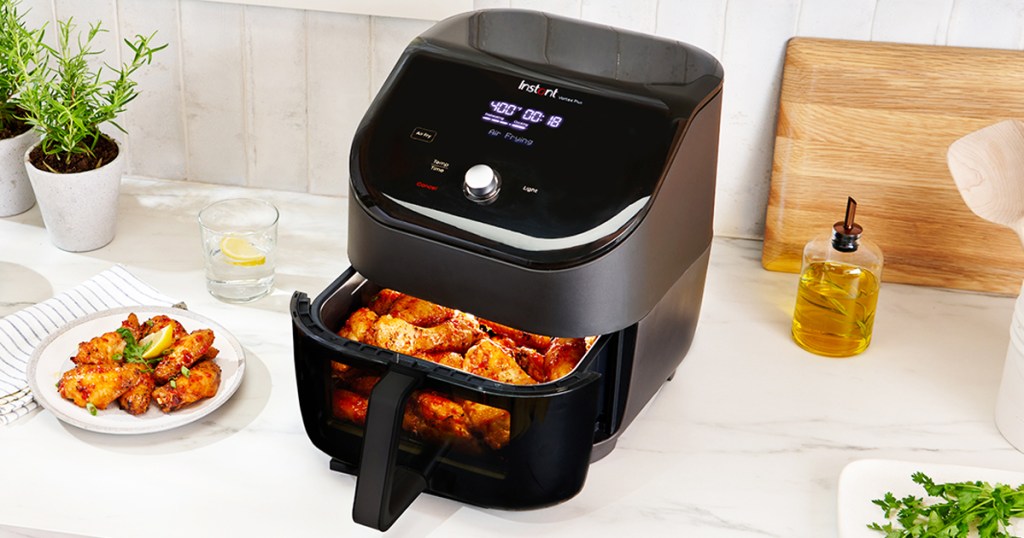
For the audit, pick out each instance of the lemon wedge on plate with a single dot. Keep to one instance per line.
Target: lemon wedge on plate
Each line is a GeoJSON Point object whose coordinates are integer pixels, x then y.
{"type": "Point", "coordinates": [157, 342]}
{"type": "Point", "coordinates": [239, 251]}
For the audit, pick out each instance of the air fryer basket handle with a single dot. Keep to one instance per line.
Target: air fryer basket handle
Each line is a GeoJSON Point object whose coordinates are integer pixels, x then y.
{"type": "Point", "coordinates": [385, 489]}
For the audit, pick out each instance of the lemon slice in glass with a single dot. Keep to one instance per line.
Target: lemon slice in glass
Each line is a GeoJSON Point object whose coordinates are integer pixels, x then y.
{"type": "Point", "coordinates": [239, 251]}
{"type": "Point", "coordinates": [158, 342]}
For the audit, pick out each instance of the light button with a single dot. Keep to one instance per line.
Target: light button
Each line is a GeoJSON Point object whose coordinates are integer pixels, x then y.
{"type": "Point", "coordinates": [481, 183]}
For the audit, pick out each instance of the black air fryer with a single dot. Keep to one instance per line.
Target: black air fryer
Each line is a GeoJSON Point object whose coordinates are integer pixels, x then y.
{"type": "Point", "coordinates": [550, 175]}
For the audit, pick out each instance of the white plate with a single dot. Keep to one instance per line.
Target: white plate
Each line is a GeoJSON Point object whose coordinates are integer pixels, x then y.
{"type": "Point", "coordinates": [53, 357]}
{"type": "Point", "coordinates": [865, 480]}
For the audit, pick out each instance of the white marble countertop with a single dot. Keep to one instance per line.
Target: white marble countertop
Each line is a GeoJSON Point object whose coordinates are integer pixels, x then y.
{"type": "Point", "coordinates": [748, 439]}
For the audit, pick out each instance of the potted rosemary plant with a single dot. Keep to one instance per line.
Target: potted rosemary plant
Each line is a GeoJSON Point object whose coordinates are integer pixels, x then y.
{"type": "Point", "coordinates": [76, 169]}
{"type": "Point", "coordinates": [18, 48]}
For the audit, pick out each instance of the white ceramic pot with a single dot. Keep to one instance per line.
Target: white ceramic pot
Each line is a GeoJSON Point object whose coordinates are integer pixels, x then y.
{"type": "Point", "coordinates": [15, 190]}
{"type": "Point", "coordinates": [79, 210]}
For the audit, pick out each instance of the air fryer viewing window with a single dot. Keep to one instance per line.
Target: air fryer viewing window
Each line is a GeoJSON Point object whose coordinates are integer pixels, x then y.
{"type": "Point", "coordinates": [583, 165]}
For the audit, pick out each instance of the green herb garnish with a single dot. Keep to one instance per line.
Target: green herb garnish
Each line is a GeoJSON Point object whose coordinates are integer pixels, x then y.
{"type": "Point", "coordinates": [133, 351]}
{"type": "Point", "coordinates": [91, 408]}
{"type": "Point", "coordinates": [959, 508]}
{"type": "Point", "coordinates": [174, 384]}
{"type": "Point", "coordinates": [185, 371]}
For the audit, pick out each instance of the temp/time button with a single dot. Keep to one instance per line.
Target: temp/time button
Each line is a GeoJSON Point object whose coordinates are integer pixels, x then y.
{"type": "Point", "coordinates": [481, 184]}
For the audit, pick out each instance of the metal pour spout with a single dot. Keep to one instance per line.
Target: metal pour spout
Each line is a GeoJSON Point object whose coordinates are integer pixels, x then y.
{"type": "Point", "coordinates": [846, 232]}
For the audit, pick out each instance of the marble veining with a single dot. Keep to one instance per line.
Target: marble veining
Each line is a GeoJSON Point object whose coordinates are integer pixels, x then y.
{"type": "Point", "coordinates": [747, 440]}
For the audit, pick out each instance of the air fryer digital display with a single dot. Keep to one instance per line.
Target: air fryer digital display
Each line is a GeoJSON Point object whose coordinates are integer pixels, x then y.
{"type": "Point", "coordinates": [573, 168]}
{"type": "Point", "coordinates": [519, 117]}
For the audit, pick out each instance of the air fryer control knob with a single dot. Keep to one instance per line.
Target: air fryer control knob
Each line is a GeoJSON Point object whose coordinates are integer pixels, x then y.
{"type": "Point", "coordinates": [481, 183]}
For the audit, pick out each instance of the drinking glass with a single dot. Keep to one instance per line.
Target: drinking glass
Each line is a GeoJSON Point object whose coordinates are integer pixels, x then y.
{"type": "Point", "coordinates": [239, 239]}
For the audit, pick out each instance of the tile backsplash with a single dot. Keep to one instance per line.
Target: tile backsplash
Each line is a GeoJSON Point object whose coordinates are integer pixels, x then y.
{"type": "Point", "coordinates": [270, 97]}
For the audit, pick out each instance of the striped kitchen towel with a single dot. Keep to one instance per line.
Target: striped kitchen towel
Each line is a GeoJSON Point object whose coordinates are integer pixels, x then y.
{"type": "Point", "coordinates": [25, 329]}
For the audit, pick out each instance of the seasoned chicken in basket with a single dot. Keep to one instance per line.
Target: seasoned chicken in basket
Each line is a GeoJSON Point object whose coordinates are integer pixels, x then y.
{"type": "Point", "coordinates": [421, 329]}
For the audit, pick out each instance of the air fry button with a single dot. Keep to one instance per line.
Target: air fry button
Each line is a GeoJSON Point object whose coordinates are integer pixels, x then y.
{"type": "Point", "coordinates": [423, 135]}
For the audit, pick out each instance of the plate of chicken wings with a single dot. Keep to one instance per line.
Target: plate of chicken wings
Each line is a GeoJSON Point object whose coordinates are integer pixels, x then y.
{"type": "Point", "coordinates": [133, 370]}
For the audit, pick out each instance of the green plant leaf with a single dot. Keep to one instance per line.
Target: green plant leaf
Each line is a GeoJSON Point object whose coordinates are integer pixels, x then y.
{"type": "Point", "coordinates": [951, 510]}
{"type": "Point", "coordinates": [67, 100]}
{"type": "Point", "coordinates": [20, 49]}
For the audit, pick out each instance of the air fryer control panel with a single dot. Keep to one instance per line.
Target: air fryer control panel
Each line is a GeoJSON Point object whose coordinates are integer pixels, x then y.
{"type": "Point", "coordinates": [538, 169]}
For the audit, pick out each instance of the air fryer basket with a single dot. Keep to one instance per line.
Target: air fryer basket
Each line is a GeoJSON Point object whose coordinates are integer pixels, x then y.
{"type": "Point", "coordinates": [552, 426]}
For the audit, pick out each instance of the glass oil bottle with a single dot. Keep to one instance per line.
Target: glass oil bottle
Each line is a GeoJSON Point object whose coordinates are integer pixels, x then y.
{"type": "Point", "coordinates": [839, 281]}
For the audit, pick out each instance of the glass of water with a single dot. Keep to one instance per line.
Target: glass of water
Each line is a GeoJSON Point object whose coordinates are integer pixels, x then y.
{"type": "Point", "coordinates": [239, 239]}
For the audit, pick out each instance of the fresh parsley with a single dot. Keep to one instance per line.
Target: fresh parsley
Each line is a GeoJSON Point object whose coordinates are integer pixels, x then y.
{"type": "Point", "coordinates": [957, 508]}
{"type": "Point", "coordinates": [133, 351]}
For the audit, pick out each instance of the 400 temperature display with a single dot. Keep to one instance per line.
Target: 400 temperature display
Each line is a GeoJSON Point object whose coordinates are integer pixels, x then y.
{"type": "Point", "coordinates": [518, 117]}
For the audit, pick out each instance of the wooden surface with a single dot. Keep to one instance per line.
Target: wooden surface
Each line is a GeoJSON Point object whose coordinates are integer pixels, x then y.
{"type": "Point", "coordinates": [988, 169]}
{"type": "Point", "coordinates": [874, 121]}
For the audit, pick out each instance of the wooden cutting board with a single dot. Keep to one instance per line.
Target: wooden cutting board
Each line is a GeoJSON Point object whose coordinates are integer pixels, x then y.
{"type": "Point", "coordinates": [873, 121]}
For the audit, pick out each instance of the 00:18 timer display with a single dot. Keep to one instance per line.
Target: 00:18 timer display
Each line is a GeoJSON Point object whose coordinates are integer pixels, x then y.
{"type": "Point", "coordinates": [518, 117]}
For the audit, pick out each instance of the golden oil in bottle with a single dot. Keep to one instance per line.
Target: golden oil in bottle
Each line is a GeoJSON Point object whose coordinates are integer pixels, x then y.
{"type": "Point", "coordinates": [835, 309]}
{"type": "Point", "coordinates": [838, 292]}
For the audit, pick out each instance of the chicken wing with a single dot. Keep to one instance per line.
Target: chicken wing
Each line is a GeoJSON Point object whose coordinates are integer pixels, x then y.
{"type": "Point", "coordinates": [100, 350]}
{"type": "Point", "coordinates": [433, 417]}
{"type": "Point", "coordinates": [419, 312]}
{"type": "Point", "coordinates": [428, 415]}
{"type": "Point", "coordinates": [358, 325]}
{"type": "Point", "coordinates": [490, 424]}
{"type": "Point", "coordinates": [519, 338]}
{"type": "Point", "coordinates": [96, 384]}
{"type": "Point", "coordinates": [157, 323]}
{"type": "Point", "coordinates": [563, 355]}
{"type": "Point", "coordinates": [408, 308]}
{"type": "Point", "coordinates": [349, 406]}
{"type": "Point", "coordinates": [363, 384]}
{"type": "Point", "coordinates": [342, 372]}
{"type": "Point", "coordinates": [202, 381]}
{"type": "Point", "coordinates": [381, 303]}
{"type": "Point", "coordinates": [103, 348]}
{"type": "Point", "coordinates": [185, 351]}
{"type": "Point", "coordinates": [451, 359]}
{"type": "Point", "coordinates": [132, 324]}
{"type": "Point", "coordinates": [456, 334]}
{"type": "Point", "coordinates": [136, 399]}
{"type": "Point", "coordinates": [490, 360]}
{"type": "Point", "coordinates": [532, 362]}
